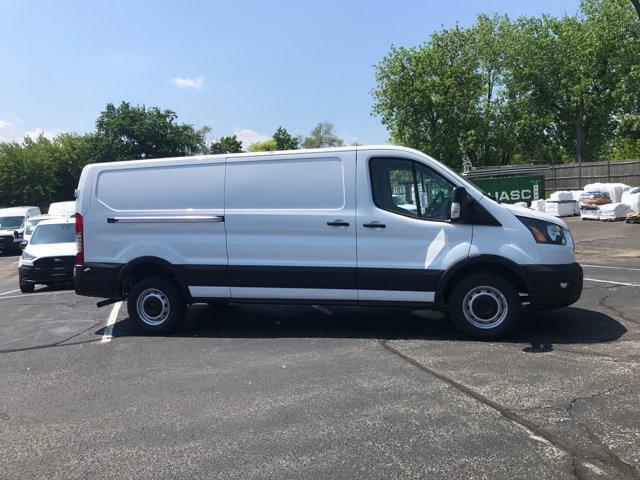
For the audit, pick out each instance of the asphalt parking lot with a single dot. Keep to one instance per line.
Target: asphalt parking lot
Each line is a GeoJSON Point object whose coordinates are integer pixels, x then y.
{"type": "Point", "coordinates": [254, 391]}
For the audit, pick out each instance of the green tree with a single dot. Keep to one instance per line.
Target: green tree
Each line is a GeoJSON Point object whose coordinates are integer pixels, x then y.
{"type": "Point", "coordinates": [322, 136]}
{"type": "Point", "coordinates": [28, 172]}
{"type": "Point", "coordinates": [229, 144]}
{"type": "Point", "coordinates": [266, 146]}
{"type": "Point", "coordinates": [567, 74]}
{"type": "Point", "coordinates": [535, 90]}
{"type": "Point", "coordinates": [284, 140]}
{"type": "Point", "coordinates": [139, 132]}
{"type": "Point", "coordinates": [427, 96]}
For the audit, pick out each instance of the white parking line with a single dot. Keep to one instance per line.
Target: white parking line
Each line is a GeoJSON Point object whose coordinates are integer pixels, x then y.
{"type": "Point", "coordinates": [613, 282]}
{"type": "Point", "coordinates": [10, 291]}
{"type": "Point", "coordinates": [37, 294]}
{"type": "Point", "coordinates": [613, 268]}
{"type": "Point", "coordinates": [108, 329]}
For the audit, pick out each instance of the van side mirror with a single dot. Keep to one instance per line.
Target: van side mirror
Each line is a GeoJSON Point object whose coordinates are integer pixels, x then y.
{"type": "Point", "coordinates": [458, 199]}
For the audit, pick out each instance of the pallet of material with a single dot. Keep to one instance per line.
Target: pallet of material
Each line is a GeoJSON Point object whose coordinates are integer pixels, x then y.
{"type": "Point", "coordinates": [589, 212]}
{"type": "Point", "coordinates": [614, 212]}
{"type": "Point", "coordinates": [633, 217]}
{"type": "Point", "coordinates": [560, 208]}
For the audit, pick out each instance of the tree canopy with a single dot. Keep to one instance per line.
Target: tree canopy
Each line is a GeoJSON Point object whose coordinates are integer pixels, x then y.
{"type": "Point", "coordinates": [540, 90]}
{"type": "Point", "coordinates": [229, 144]}
{"type": "Point", "coordinates": [322, 136]}
{"type": "Point", "coordinates": [39, 171]}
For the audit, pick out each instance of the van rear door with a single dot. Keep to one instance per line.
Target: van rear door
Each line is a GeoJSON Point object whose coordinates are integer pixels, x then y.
{"type": "Point", "coordinates": [290, 222]}
{"type": "Point", "coordinates": [405, 240]}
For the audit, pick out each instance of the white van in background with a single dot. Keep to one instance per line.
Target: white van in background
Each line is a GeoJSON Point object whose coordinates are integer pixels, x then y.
{"type": "Point", "coordinates": [12, 223]}
{"type": "Point", "coordinates": [62, 208]}
{"type": "Point", "coordinates": [50, 256]}
{"type": "Point", "coordinates": [30, 226]}
{"type": "Point", "coordinates": [378, 225]}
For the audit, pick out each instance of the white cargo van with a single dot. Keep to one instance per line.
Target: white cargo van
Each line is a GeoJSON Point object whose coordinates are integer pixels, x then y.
{"type": "Point", "coordinates": [62, 208]}
{"type": "Point", "coordinates": [12, 222]}
{"type": "Point", "coordinates": [49, 257]}
{"type": "Point", "coordinates": [377, 225]}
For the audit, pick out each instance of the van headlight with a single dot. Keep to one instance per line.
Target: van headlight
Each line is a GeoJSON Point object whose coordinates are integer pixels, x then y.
{"type": "Point", "coordinates": [27, 256]}
{"type": "Point", "coordinates": [544, 232]}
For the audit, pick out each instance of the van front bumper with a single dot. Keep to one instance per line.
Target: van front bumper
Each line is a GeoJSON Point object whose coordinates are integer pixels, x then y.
{"type": "Point", "coordinates": [42, 275]}
{"type": "Point", "coordinates": [97, 280]}
{"type": "Point", "coordinates": [554, 286]}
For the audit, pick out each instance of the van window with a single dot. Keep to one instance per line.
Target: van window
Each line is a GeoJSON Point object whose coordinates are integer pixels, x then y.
{"type": "Point", "coordinates": [31, 226]}
{"type": "Point", "coordinates": [54, 233]}
{"type": "Point", "coordinates": [163, 188]}
{"type": "Point", "coordinates": [410, 188]}
{"type": "Point", "coordinates": [11, 223]}
{"type": "Point", "coordinates": [299, 183]}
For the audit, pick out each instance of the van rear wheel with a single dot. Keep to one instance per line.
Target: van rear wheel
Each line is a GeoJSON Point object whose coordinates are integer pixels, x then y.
{"type": "Point", "coordinates": [485, 306]}
{"type": "Point", "coordinates": [156, 305]}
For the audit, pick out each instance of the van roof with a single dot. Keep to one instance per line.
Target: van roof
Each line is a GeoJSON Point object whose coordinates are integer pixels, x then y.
{"type": "Point", "coordinates": [58, 221]}
{"type": "Point", "coordinates": [15, 210]}
{"type": "Point", "coordinates": [234, 156]}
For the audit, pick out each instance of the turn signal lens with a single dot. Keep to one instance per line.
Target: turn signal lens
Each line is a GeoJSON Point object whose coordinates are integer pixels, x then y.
{"type": "Point", "coordinates": [537, 234]}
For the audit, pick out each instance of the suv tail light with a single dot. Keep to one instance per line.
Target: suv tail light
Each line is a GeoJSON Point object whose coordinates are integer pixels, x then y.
{"type": "Point", "coordinates": [79, 239]}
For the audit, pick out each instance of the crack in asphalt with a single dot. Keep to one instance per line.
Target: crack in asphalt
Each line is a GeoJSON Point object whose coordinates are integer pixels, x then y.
{"type": "Point", "coordinates": [603, 303]}
{"type": "Point", "coordinates": [59, 343]}
{"type": "Point", "coordinates": [579, 455]}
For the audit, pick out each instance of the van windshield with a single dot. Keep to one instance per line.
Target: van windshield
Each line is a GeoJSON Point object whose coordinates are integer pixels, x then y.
{"type": "Point", "coordinates": [31, 226]}
{"type": "Point", "coordinates": [11, 223]}
{"type": "Point", "coordinates": [54, 233]}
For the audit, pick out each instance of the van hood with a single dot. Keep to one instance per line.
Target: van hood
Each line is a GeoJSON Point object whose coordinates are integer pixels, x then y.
{"type": "Point", "coordinates": [527, 212]}
{"type": "Point", "coordinates": [52, 250]}
{"type": "Point", "coordinates": [7, 232]}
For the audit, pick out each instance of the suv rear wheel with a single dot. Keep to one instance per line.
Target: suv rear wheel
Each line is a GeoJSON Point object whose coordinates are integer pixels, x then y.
{"type": "Point", "coordinates": [156, 305]}
{"type": "Point", "coordinates": [485, 306]}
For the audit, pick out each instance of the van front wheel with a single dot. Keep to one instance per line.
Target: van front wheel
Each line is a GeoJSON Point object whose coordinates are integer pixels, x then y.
{"type": "Point", "coordinates": [485, 306]}
{"type": "Point", "coordinates": [156, 305]}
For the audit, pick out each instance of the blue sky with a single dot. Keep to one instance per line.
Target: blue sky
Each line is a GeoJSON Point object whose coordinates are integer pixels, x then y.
{"type": "Point", "coordinates": [240, 67]}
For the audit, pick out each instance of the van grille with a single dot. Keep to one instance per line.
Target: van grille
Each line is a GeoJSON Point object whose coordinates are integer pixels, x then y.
{"type": "Point", "coordinates": [6, 240]}
{"type": "Point", "coordinates": [55, 263]}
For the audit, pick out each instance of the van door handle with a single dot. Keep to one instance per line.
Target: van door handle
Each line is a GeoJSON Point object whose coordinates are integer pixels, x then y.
{"type": "Point", "coordinates": [374, 225]}
{"type": "Point", "coordinates": [338, 223]}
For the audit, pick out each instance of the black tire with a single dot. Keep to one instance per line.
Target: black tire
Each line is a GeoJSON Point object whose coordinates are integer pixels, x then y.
{"type": "Point", "coordinates": [27, 287]}
{"type": "Point", "coordinates": [497, 312]}
{"type": "Point", "coordinates": [158, 296]}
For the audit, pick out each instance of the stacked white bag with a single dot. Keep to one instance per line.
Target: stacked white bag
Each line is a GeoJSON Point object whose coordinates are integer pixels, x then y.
{"type": "Point", "coordinates": [576, 196]}
{"type": "Point", "coordinates": [589, 212]}
{"type": "Point", "coordinates": [561, 196]}
{"type": "Point", "coordinates": [615, 190]}
{"type": "Point", "coordinates": [560, 208]}
{"type": "Point", "coordinates": [520, 204]}
{"type": "Point", "coordinates": [614, 211]}
{"type": "Point", "coordinates": [561, 204]}
{"type": "Point", "coordinates": [537, 205]}
{"type": "Point", "coordinates": [632, 198]}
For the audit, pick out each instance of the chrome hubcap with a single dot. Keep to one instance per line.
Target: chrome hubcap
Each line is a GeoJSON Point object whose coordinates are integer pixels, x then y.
{"type": "Point", "coordinates": [153, 306]}
{"type": "Point", "coordinates": [485, 307]}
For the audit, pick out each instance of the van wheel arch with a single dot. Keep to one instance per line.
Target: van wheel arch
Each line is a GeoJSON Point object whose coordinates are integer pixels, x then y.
{"type": "Point", "coordinates": [144, 267]}
{"type": "Point", "coordinates": [483, 263]}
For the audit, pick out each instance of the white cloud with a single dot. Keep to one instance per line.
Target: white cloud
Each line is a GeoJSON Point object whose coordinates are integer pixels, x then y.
{"type": "Point", "coordinates": [195, 83]}
{"type": "Point", "coordinates": [4, 124]}
{"type": "Point", "coordinates": [249, 136]}
{"type": "Point", "coordinates": [48, 134]}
